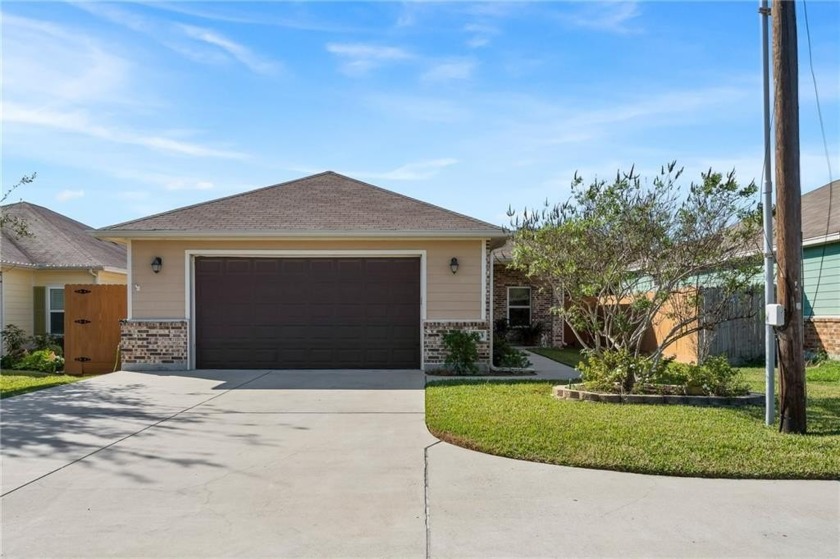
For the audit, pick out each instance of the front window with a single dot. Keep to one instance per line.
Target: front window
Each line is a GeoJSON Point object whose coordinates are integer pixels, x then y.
{"type": "Point", "coordinates": [519, 306]}
{"type": "Point", "coordinates": [55, 311]}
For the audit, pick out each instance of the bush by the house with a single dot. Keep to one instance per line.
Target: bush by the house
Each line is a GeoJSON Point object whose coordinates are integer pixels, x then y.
{"type": "Point", "coordinates": [618, 370]}
{"type": "Point", "coordinates": [714, 377]}
{"type": "Point", "coordinates": [43, 360]}
{"type": "Point", "coordinates": [507, 356]}
{"type": "Point", "coordinates": [461, 351]}
{"type": "Point", "coordinates": [31, 353]}
{"type": "Point", "coordinates": [621, 371]}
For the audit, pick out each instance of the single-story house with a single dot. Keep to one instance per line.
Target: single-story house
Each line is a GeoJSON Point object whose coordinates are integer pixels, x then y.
{"type": "Point", "coordinates": [821, 268]}
{"type": "Point", "coordinates": [321, 272]}
{"type": "Point", "coordinates": [34, 268]}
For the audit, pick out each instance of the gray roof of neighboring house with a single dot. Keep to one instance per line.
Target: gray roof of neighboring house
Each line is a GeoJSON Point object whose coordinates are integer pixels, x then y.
{"type": "Point", "coordinates": [56, 241]}
{"type": "Point", "coordinates": [821, 212]}
{"type": "Point", "coordinates": [325, 204]}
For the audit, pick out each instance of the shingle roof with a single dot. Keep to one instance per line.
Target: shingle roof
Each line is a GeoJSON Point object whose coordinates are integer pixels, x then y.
{"type": "Point", "coordinates": [816, 205]}
{"type": "Point", "coordinates": [325, 203]}
{"type": "Point", "coordinates": [56, 241]}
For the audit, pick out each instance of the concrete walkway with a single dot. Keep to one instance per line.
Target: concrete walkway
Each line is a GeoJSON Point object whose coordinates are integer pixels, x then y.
{"type": "Point", "coordinates": [340, 464]}
{"type": "Point", "coordinates": [544, 369]}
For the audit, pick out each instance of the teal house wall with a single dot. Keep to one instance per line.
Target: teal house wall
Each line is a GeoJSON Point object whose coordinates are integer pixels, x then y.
{"type": "Point", "coordinates": [821, 281]}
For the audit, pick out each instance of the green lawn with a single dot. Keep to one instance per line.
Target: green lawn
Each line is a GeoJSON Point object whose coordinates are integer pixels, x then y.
{"type": "Point", "coordinates": [14, 383]}
{"type": "Point", "coordinates": [520, 419]}
{"type": "Point", "coordinates": [567, 355]}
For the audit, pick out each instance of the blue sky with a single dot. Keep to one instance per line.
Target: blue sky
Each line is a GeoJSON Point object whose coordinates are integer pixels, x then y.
{"type": "Point", "coordinates": [127, 109]}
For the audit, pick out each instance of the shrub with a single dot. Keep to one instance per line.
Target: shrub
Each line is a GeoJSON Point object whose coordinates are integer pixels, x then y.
{"type": "Point", "coordinates": [14, 340]}
{"type": "Point", "coordinates": [507, 356]}
{"type": "Point", "coordinates": [532, 333]}
{"type": "Point", "coordinates": [501, 328]}
{"type": "Point", "coordinates": [461, 351]}
{"type": "Point", "coordinates": [50, 342]}
{"type": "Point", "coordinates": [618, 370]}
{"type": "Point", "coordinates": [715, 377]}
{"type": "Point", "coordinates": [42, 360]}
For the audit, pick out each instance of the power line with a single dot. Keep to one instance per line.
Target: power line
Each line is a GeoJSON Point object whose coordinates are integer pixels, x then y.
{"type": "Point", "coordinates": [827, 156]}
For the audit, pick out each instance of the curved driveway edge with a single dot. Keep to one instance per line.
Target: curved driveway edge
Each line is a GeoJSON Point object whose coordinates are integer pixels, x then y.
{"type": "Point", "coordinates": [488, 506]}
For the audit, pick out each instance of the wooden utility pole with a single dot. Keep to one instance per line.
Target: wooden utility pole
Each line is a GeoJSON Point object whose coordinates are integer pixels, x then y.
{"type": "Point", "coordinates": [788, 218]}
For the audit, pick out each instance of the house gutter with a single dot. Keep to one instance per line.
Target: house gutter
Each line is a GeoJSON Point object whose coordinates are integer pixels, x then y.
{"type": "Point", "coordinates": [116, 234]}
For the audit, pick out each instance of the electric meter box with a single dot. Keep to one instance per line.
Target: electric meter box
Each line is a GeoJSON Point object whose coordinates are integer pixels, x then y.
{"type": "Point", "coordinates": [775, 315]}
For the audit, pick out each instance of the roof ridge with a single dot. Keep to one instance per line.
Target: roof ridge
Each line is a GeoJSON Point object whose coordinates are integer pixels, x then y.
{"type": "Point", "coordinates": [213, 201]}
{"type": "Point", "coordinates": [429, 204]}
{"type": "Point", "coordinates": [385, 191]}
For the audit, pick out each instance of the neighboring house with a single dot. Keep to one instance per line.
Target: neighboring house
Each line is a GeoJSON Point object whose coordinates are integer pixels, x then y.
{"type": "Point", "coordinates": [321, 272]}
{"type": "Point", "coordinates": [36, 267]}
{"type": "Point", "coordinates": [821, 268]}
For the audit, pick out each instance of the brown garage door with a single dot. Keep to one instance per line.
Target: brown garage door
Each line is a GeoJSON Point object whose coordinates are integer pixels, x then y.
{"type": "Point", "coordinates": [307, 313]}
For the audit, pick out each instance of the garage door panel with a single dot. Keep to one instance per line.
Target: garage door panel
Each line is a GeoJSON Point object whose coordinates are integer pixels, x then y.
{"type": "Point", "coordinates": [307, 312]}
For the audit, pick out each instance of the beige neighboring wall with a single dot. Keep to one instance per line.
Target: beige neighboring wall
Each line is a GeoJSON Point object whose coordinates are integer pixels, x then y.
{"type": "Point", "coordinates": [110, 278]}
{"type": "Point", "coordinates": [17, 297]}
{"type": "Point", "coordinates": [449, 296]}
{"type": "Point", "coordinates": [59, 278]}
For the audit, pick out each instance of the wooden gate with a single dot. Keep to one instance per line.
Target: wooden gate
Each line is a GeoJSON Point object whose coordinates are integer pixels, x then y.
{"type": "Point", "coordinates": [92, 315]}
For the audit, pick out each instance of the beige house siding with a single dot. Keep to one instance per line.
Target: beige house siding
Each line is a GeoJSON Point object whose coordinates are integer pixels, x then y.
{"type": "Point", "coordinates": [449, 296]}
{"type": "Point", "coordinates": [110, 278]}
{"type": "Point", "coordinates": [17, 298]}
{"type": "Point", "coordinates": [59, 278]}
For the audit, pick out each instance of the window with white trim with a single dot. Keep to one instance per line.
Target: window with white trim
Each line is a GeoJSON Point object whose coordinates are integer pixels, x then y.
{"type": "Point", "coordinates": [519, 306]}
{"type": "Point", "coordinates": [55, 311]}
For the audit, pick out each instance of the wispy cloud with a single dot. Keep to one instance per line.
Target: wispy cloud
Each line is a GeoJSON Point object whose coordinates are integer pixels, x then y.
{"type": "Point", "coordinates": [421, 170]}
{"type": "Point", "coordinates": [236, 50]}
{"type": "Point", "coordinates": [360, 58]}
{"type": "Point", "coordinates": [78, 122]}
{"type": "Point", "coordinates": [66, 195]}
{"type": "Point", "coordinates": [182, 38]}
{"type": "Point", "coordinates": [614, 16]}
{"type": "Point", "coordinates": [449, 70]}
{"type": "Point", "coordinates": [480, 34]}
{"type": "Point", "coordinates": [248, 17]}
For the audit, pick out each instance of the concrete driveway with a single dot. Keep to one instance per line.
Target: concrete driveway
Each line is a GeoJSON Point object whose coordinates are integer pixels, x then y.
{"type": "Point", "coordinates": [340, 464]}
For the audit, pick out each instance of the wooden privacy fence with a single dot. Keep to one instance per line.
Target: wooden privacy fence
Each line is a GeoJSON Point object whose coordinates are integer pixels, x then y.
{"type": "Point", "coordinates": [92, 315]}
{"type": "Point", "coordinates": [740, 340]}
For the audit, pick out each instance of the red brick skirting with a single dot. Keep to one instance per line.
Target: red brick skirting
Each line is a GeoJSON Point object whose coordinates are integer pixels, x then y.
{"type": "Point", "coordinates": [154, 344]}
{"type": "Point", "coordinates": [434, 355]}
{"type": "Point", "coordinates": [823, 334]}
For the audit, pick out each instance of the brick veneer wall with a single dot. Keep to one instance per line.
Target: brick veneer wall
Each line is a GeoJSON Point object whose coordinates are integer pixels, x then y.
{"type": "Point", "coordinates": [541, 302]}
{"type": "Point", "coordinates": [433, 353]}
{"type": "Point", "coordinates": [823, 334]}
{"type": "Point", "coordinates": [154, 345]}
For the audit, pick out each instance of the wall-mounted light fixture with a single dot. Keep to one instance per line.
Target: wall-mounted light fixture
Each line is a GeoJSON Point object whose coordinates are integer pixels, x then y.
{"type": "Point", "coordinates": [157, 264]}
{"type": "Point", "coordinates": [453, 264]}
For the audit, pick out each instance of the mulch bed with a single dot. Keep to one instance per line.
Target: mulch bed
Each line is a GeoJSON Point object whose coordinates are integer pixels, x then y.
{"type": "Point", "coordinates": [445, 373]}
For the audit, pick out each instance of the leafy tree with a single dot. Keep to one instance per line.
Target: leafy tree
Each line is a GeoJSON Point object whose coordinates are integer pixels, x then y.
{"type": "Point", "coordinates": [628, 253]}
{"type": "Point", "coordinates": [15, 224]}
